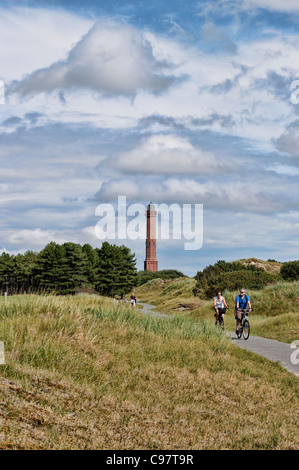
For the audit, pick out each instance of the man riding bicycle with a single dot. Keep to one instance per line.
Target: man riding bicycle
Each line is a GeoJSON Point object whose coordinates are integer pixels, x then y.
{"type": "Point", "coordinates": [242, 301]}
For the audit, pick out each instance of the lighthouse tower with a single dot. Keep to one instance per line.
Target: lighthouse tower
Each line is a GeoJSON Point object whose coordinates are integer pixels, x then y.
{"type": "Point", "coordinates": [151, 262]}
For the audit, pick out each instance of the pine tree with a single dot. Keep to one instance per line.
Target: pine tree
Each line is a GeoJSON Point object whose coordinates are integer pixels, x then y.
{"type": "Point", "coordinates": [29, 260]}
{"type": "Point", "coordinates": [73, 268]}
{"type": "Point", "coordinates": [128, 271]}
{"type": "Point", "coordinates": [6, 272]}
{"type": "Point", "coordinates": [92, 258]}
{"type": "Point", "coordinates": [117, 272]}
{"type": "Point", "coordinates": [105, 272]}
{"type": "Point", "coordinates": [49, 275]}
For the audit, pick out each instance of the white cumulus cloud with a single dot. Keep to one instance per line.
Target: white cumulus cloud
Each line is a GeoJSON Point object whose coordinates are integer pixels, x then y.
{"type": "Point", "coordinates": [111, 59]}
{"type": "Point", "coordinates": [168, 154]}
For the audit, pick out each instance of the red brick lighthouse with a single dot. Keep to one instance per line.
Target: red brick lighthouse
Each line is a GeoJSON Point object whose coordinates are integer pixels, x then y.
{"type": "Point", "coordinates": [151, 262]}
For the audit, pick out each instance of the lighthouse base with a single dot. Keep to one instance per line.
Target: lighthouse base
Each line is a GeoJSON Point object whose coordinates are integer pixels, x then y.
{"type": "Point", "coordinates": [151, 265]}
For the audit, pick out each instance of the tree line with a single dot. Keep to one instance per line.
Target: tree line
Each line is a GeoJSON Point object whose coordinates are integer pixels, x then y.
{"type": "Point", "coordinates": [68, 268]}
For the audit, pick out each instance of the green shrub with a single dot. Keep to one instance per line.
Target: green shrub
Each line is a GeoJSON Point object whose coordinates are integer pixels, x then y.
{"type": "Point", "coordinates": [231, 276]}
{"type": "Point", "coordinates": [290, 271]}
{"type": "Point", "coordinates": [145, 276]}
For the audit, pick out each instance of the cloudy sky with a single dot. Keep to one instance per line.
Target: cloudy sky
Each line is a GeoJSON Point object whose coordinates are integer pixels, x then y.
{"type": "Point", "coordinates": [174, 101]}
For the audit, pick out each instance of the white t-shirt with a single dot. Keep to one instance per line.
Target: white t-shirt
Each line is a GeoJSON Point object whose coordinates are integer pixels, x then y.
{"type": "Point", "coordinates": [219, 303]}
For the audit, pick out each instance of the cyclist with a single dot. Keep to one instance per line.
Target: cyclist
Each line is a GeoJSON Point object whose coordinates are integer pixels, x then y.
{"type": "Point", "coordinates": [242, 301]}
{"type": "Point", "coordinates": [219, 305]}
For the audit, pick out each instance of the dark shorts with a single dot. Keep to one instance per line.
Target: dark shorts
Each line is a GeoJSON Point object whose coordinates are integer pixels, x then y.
{"type": "Point", "coordinates": [221, 311]}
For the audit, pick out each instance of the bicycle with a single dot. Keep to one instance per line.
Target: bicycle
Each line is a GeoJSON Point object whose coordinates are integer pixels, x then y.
{"type": "Point", "coordinates": [244, 328]}
{"type": "Point", "coordinates": [220, 319]}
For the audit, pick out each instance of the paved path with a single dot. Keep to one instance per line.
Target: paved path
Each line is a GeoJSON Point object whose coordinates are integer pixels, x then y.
{"type": "Point", "coordinates": [271, 349]}
{"type": "Point", "coordinates": [148, 309]}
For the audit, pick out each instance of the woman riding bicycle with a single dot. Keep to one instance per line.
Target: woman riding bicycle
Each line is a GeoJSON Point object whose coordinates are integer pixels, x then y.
{"type": "Point", "coordinates": [220, 306]}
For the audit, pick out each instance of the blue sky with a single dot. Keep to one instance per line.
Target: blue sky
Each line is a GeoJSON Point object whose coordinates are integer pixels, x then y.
{"type": "Point", "coordinates": [174, 102]}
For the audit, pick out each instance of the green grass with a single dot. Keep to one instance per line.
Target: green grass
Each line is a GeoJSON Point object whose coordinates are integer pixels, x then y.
{"type": "Point", "coordinates": [84, 373]}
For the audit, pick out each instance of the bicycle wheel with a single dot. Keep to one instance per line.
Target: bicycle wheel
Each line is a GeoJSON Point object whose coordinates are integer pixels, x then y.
{"type": "Point", "coordinates": [246, 329]}
{"type": "Point", "coordinates": [239, 332]}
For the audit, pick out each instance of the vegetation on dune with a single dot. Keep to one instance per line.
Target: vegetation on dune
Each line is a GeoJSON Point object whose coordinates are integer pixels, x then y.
{"type": "Point", "coordinates": [290, 271]}
{"type": "Point", "coordinates": [83, 372]}
{"type": "Point", "coordinates": [270, 266]}
{"type": "Point", "coordinates": [145, 276]}
{"type": "Point", "coordinates": [231, 276]}
{"type": "Point", "coordinates": [171, 295]}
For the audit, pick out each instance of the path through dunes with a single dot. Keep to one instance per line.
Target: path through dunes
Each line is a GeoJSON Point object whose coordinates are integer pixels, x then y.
{"type": "Point", "coordinates": [282, 353]}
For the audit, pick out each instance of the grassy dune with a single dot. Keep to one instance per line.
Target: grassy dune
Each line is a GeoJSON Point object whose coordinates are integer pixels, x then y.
{"type": "Point", "coordinates": [276, 307]}
{"type": "Point", "coordinates": [83, 373]}
{"type": "Point", "coordinates": [171, 294]}
{"type": "Point", "coordinates": [269, 266]}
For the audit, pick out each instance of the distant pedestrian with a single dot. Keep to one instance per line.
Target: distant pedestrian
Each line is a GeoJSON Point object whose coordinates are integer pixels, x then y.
{"type": "Point", "coordinates": [133, 300]}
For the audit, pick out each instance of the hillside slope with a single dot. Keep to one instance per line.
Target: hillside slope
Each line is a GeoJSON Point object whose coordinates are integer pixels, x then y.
{"type": "Point", "coordinates": [269, 266]}
{"type": "Point", "coordinates": [82, 373]}
{"type": "Point", "coordinates": [171, 294]}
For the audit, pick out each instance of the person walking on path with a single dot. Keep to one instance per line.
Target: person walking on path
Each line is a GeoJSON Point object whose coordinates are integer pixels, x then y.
{"type": "Point", "coordinates": [133, 300]}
